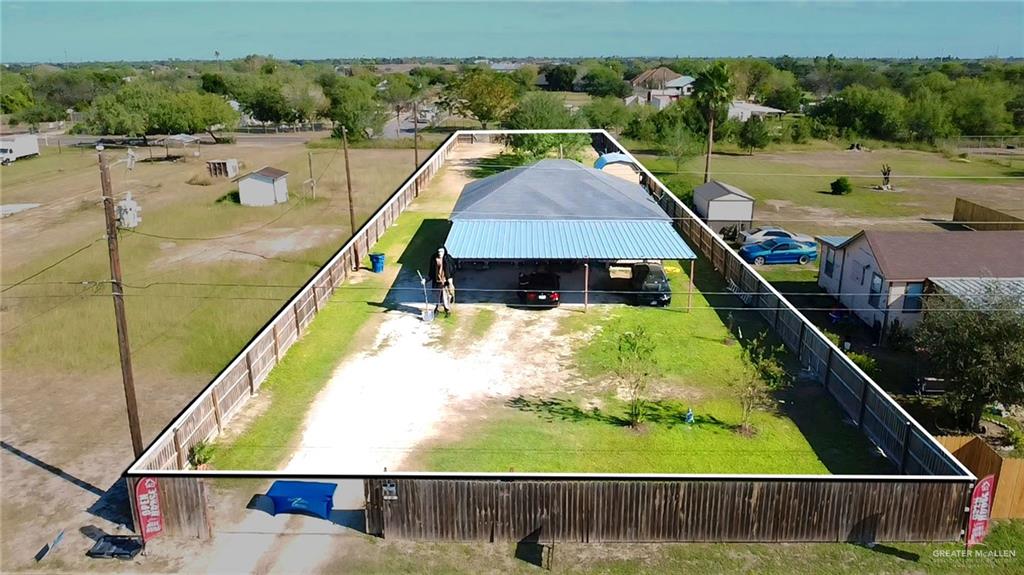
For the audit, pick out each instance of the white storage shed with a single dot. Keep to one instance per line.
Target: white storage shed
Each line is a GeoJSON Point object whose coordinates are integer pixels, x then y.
{"type": "Point", "coordinates": [722, 205]}
{"type": "Point", "coordinates": [264, 187]}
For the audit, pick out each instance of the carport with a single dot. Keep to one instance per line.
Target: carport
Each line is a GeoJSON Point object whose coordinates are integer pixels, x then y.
{"type": "Point", "coordinates": [561, 212]}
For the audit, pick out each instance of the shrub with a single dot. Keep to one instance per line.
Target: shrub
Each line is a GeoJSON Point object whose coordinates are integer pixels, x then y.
{"type": "Point", "coordinates": [1016, 438]}
{"type": "Point", "coordinates": [200, 453]}
{"type": "Point", "coordinates": [199, 180]}
{"type": "Point", "coordinates": [865, 362]}
{"type": "Point", "coordinates": [900, 338]}
{"type": "Point", "coordinates": [800, 132]}
{"type": "Point", "coordinates": [841, 187]}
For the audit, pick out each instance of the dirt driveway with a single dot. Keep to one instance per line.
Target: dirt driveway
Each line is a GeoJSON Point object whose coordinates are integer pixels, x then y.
{"type": "Point", "coordinates": [416, 382]}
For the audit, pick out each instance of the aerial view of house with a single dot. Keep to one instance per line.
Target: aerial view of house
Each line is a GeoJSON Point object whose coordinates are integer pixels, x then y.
{"type": "Point", "coordinates": [505, 287]}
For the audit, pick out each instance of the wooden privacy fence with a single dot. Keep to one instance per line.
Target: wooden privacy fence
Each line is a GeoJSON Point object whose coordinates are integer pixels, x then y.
{"type": "Point", "coordinates": [733, 509]}
{"type": "Point", "coordinates": [912, 450]}
{"type": "Point", "coordinates": [982, 218]}
{"type": "Point", "coordinates": [982, 460]}
{"type": "Point", "coordinates": [206, 416]}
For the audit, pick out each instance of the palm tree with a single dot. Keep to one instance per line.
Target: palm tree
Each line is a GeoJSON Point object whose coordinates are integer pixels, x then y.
{"type": "Point", "coordinates": [712, 90]}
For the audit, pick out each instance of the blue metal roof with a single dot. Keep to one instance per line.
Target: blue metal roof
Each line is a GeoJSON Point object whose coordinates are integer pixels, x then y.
{"type": "Point", "coordinates": [613, 158]}
{"type": "Point", "coordinates": [566, 239]}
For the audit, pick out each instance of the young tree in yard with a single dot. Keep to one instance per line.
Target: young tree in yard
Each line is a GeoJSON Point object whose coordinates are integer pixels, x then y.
{"type": "Point", "coordinates": [712, 90]}
{"type": "Point", "coordinates": [680, 144]}
{"type": "Point", "coordinates": [636, 367]}
{"type": "Point", "coordinates": [544, 111]}
{"type": "Point", "coordinates": [978, 347]}
{"type": "Point", "coordinates": [481, 94]}
{"type": "Point", "coordinates": [762, 376]}
{"type": "Point", "coordinates": [800, 131]}
{"type": "Point", "coordinates": [754, 134]}
{"type": "Point", "coordinates": [398, 92]}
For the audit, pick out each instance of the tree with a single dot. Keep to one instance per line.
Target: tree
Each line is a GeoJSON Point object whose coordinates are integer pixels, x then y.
{"type": "Point", "coordinates": [928, 116]}
{"type": "Point", "coordinates": [354, 106]}
{"type": "Point", "coordinates": [398, 92]}
{"type": "Point", "coordinates": [800, 131]}
{"type": "Point", "coordinates": [712, 90]}
{"type": "Point", "coordinates": [214, 84]}
{"type": "Point", "coordinates": [128, 112]}
{"type": "Point", "coordinates": [603, 81]}
{"type": "Point", "coordinates": [544, 111]}
{"type": "Point", "coordinates": [762, 376]}
{"type": "Point", "coordinates": [977, 345]}
{"type": "Point", "coordinates": [560, 77]}
{"type": "Point", "coordinates": [635, 368]}
{"type": "Point", "coordinates": [525, 77]}
{"type": "Point", "coordinates": [190, 113]}
{"type": "Point", "coordinates": [481, 94]}
{"type": "Point", "coordinates": [978, 108]}
{"type": "Point", "coordinates": [15, 93]}
{"type": "Point", "coordinates": [874, 112]}
{"type": "Point", "coordinates": [789, 98]}
{"type": "Point", "coordinates": [754, 134]}
{"type": "Point", "coordinates": [607, 113]}
{"type": "Point", "coordinates": [680, 144]}
{"type": "Point", "coordinates": [265, 102]}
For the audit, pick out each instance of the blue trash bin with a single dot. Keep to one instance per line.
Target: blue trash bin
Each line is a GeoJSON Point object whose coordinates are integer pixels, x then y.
{"type": "Point", "coordinates": [377, 263]}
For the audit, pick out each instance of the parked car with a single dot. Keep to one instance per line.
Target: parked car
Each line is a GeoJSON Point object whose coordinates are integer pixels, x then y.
{"type": "Point", "coordinates": [763, 233]}
{"type": "Point", "coordinates": [650, 285]}
{"type": "Point", "coordinates": [779, 251]}
{"type": "Point", "coordinates": [539, 289]}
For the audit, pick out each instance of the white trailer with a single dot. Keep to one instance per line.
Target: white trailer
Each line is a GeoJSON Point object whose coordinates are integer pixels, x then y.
{"type": "Point", "coordinates": [15, 147]}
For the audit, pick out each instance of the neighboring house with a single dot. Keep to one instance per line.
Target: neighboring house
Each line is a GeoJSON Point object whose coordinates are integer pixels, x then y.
{"type": "Point", "coordinates": [722, 205]}
{"type": "Point", "coordinates": [655, 78]}
{"type": "Point", "coordinates": [881, 275]}
{"type": "Point", "coordinates": [682, 84]}
{"type": "Point", "coordinates": [264, 187]}
{"type": "Point", "coordinates": [744, 111]}
{"type": "Point", "coordinates": [505, 67]}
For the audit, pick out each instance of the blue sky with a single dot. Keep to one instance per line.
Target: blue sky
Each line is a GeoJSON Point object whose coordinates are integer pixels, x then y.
{"type": "Point", "coordinates": [45, 31]}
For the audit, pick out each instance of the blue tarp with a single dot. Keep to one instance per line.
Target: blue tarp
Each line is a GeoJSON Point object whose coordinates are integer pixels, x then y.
{"type": "Point", "coordinates": [303, 497]}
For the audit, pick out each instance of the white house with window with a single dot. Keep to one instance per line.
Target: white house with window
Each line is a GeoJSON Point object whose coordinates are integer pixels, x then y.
{"type": "Point", "coordinates": [882, 276]}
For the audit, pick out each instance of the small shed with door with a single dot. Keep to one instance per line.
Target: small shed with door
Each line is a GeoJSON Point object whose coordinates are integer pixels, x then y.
{"type": "Point", "coordinates": [722, 205]}
{"type": "Point", "coordinates": [264, 187]}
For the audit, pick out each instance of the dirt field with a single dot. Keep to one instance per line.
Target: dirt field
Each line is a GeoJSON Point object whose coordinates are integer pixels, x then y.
{"type": "Point", "coordinates": [64, 430]}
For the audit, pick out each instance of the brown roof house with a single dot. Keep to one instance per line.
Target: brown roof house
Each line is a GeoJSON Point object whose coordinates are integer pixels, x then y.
{"type": "Point", "coordinates": [264, 187]}
{"type": "Point", "coordinates": [882, 276]}
{"type": "Point", "coordinates": [655, 78]}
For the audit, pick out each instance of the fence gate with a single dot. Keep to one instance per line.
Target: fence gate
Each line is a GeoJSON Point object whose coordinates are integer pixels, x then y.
{"type": "Point", "coordinates": [374, 507]}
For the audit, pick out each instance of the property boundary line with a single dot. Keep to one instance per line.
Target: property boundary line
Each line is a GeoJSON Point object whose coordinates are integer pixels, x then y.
{"type": "Point", "coordinates": [167, 454]}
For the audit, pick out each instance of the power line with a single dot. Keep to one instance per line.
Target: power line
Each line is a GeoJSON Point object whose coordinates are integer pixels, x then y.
{"type": "Point", "coordinates": [224, 237]}
{"type": "Point", "coordinates": [53, 265]}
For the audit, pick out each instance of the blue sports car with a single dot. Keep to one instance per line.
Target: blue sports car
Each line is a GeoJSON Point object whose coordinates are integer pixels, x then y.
{"type": "Point", "coordinates": [779, 251]}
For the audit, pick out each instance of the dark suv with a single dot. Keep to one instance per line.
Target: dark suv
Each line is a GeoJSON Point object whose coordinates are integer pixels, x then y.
{"type": "Point", "coordinates": [539, 289]}
{"type": "Point", "coordinates": [650, 285]}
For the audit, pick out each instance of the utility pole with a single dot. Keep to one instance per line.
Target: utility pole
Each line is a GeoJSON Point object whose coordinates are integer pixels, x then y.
{"type": "Point", "coordinates": [415, 138]}
{"type": "Point", "coordinates": [311, 179]}
{"type": "Point", "coordinates": [351, 205]}
{"type": "Point", "coordinates": [117, 290]}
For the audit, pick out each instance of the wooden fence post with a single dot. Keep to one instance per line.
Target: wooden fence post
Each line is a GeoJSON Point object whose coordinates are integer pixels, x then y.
{"type": "Point", "coordinates": [906, 448]}
{"type": "Point", "coordinates": [277, 346]}
{"type": "Point", "coordinates": [863, 403]}
{"type": "Point", "coordinates": [182, 462]}
{"type": "Point", "coordinates": [828, 368]}
{"type": "Point", "coordinates": [249, 374]}
{"type": "Point", "coordinates": [216, 409]}
{"type": "Point", "coordinates": [800, 343]}
{"type": "Point", "coordinates": [298, 324]}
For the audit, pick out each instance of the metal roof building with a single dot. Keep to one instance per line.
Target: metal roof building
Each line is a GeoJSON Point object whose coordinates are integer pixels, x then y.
{"type": "Point", "coordinates": [560, 210]}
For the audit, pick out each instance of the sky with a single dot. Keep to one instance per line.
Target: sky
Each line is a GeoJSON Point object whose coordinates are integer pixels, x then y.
{"type": "Point", "coordinates": [44, 31]}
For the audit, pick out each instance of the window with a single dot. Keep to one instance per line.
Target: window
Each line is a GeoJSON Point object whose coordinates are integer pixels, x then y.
{"type": "Point", "coordinates": [830, 261]}
{"type": "Point", "coordinates": [912, 298]}
{"type": "Point", "coordinates": [876, 290]}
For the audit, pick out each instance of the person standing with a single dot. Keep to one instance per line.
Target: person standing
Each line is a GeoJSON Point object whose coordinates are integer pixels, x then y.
{"type": "Point", "coordinates": [441, 270]}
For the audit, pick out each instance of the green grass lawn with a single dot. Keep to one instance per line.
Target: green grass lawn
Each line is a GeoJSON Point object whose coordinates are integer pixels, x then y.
{"type": "Point", "coordinates": [587, 431]}
{"type": "Point", "coordinates": [370, 555]}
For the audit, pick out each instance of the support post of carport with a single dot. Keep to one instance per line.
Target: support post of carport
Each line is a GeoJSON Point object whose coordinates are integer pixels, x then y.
{"type": "Point", "coordinates": [586, 286]}
{"type": "Point", "coordinates": [689, 294]}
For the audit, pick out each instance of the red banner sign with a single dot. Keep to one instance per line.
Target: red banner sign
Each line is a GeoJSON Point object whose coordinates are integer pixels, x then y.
{"type": "Point", "coordinates": [147, 502]}
{"type": "Point", "coordinates": [981, 510]}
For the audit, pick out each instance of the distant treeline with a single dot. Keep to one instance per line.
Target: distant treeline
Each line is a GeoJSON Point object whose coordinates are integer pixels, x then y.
{"type": "Point", "coordinates": [889, 99]}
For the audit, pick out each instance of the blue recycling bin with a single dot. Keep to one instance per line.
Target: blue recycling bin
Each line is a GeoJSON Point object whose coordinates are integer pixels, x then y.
{"type": "Point", "coordinates": [377, 263]}
{"type": "Point", "coordinates": [303, 497]}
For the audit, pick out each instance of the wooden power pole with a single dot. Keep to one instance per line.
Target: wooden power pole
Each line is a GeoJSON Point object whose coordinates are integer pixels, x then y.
{"type": "Point", "coordinates": [351, 204]}
{"type": "Point", "coordinates": [117, 290]}
{"type": "Point", "coordinates": [312, 180]}
{"type": "Point", "coordinates": [415, 138]}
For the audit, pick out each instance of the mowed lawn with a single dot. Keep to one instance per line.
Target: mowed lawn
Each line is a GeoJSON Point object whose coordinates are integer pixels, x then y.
{"type": "Point", "coordinates": [586, 431]}
{"type": "Point", "coordinates": [791, 186]}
